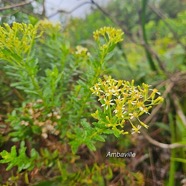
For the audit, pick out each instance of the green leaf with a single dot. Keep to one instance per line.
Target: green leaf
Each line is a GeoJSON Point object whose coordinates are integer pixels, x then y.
{"type": "Point", "coordinates": [108, 131]}
{"type": "Point", "coordinates": [90, 145]}
{"type": "Point", "coordinates": [99, 138]}
{"type": "Point", "coordinates": [5, 155]}
{"type": "Point", "coordinates": [110, 55]}
{"type": "Point", "coordinates": [116, 132]}
{"type": "Point", "coordinates": [74, 146]}
{"type": "Point", "coordinates": [30, 91]}
{"type": "Point", "coordinates": [179, 160]}
{"type": "Point", "coordinates": [85, 124]}
{"type": "Point", "coordinates": [20, 160]}
{"type": "Point", "coordinates": [163, 126]}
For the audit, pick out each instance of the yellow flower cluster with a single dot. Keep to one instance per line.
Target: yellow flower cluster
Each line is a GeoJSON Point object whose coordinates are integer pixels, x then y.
{"type": "Point", "coordinates": [82, 51]}
{"type": "Point", "coordinates": [33, 114]}
{"type": "Point", "coordinates": [16, 41]}
{"type": "Point", "coordinates": [122, 100]}
{"type": "Point", "coordinates": [111, 36]}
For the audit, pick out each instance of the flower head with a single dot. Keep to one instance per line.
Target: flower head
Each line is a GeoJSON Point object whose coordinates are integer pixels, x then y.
{"type": "Point", "coordinates": [82, 51]}
{"type": "Point", "coordinates": [16, 41]}
{"type": "Point", "coordinates": [136, 129]}
{"type": "Point", "coordinates": [122, 101]}
{"type": "Point", "coordinates": [109, 34]}
{"type": "Point", "coordinates": [107, 37]}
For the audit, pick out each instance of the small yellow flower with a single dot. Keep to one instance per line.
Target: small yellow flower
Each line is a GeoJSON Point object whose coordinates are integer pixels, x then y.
{"type": "Point", "coordinates": [110, 36]}
{"type": "Point", "coordinates": [82, 51]}
{"type": "Point", "coordinates": [107, 103]}
{"type": "Point", "coordinates": [125, 101]}
{"type": "Point", "coordinates": [136, 129]}
{"type": "Point", "coordinates": [16, 41]}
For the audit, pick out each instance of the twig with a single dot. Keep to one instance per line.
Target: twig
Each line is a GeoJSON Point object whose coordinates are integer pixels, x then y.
{"type": "Point", "coordinates": [44, 9]}
{"type": "Point", "coordinates": [170, 84]}
{"type": "Point", "coordinates": [15, 5]}
{"type": "Point", "coordinates": [68, 12]}
{"type": "Point", "coordinates": [162, 145]}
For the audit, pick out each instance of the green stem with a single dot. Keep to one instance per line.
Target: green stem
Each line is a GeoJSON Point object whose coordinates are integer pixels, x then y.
{"type": "Point", "coordinates": [26, 178]}
{"type": "Point", "coordinates": [173, 153]}
{"type": "Point", "coordinates": [98, 132]}
{"type": "Point", "coordinates": [92, 82]}
{"type": "Point", "coordinates": [143, 22]}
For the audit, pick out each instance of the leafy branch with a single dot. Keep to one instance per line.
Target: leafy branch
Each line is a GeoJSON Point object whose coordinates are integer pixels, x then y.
{"type": "Point", "coordinates": [20, 159]}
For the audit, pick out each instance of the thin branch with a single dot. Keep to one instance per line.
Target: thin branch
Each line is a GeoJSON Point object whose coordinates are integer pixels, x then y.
{"type": "Point", "coordinates": [162, 145]}
{"type": "Point", "coordinates": [44, 9]}
{"type": "Point", "coordinates": [103, 11]}
{"type": "Point", "coordinates": [68, 12]}
{"type": "Point", "coordinates": [170, 84]}
{"type": "Point", "coordinates": [15, 5]}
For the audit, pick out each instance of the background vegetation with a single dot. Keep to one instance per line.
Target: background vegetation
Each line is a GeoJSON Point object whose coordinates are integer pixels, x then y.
{"type": "Point", "coordinates": [153, 52]}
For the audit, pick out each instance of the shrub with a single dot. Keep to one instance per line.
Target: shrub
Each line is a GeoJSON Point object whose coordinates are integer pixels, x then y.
{"type": "Point", "coordinates": [59, 85]}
